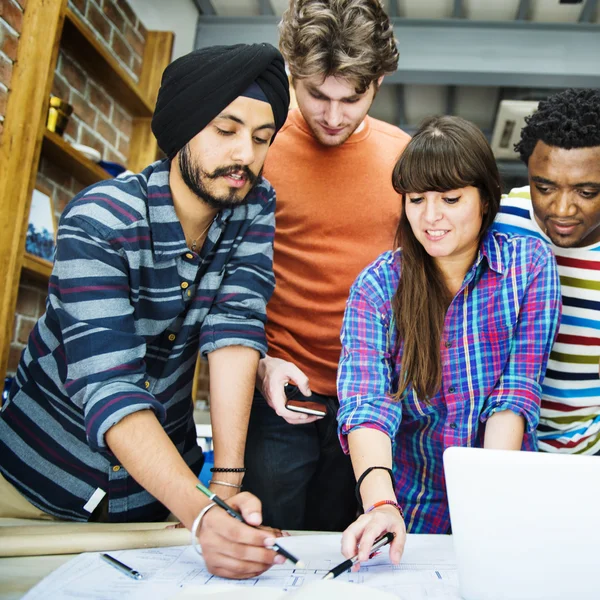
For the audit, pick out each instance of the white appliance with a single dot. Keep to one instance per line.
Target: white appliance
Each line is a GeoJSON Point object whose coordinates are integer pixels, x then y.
{"type": "Point", "coordinates": [525, 525]}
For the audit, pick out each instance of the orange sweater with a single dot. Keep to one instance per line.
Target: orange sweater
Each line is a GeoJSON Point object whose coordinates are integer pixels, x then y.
{"type": "Point", "coordinates": [336, 212]}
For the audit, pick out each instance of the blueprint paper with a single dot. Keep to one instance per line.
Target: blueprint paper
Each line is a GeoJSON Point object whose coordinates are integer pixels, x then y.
{"type": "Point", "coordinates": [427, 572]}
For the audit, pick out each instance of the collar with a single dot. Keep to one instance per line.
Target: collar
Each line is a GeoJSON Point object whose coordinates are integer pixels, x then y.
{"type": "Point", "coordinates": [490, 250]}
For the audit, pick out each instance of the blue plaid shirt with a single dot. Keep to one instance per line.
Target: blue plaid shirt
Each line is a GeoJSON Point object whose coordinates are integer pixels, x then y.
{"type": "Point", "coordinates": [128, 307]}
{"type": "Point", "coordinates": [497, 336]}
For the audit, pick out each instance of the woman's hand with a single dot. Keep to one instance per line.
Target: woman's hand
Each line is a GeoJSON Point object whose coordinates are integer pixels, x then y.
{"type": "Point", "coordinates": [360, 536]}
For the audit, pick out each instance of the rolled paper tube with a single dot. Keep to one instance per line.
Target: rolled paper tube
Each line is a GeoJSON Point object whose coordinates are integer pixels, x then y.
{"type": "Point", "coordinates": [74, 538]}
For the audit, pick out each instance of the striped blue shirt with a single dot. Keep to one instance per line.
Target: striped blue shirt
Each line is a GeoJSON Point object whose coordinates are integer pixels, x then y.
{"type": "Point", "coordinates": [570, 414]}
{"type": "Point", "coordinates": [129, 306]}
{"type": "Point", "coordinates": [497, 336]}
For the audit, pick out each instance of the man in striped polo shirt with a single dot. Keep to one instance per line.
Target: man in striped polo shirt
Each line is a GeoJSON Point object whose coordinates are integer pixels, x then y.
{"type": "Point", "coordinates": [149, 269]}
{"type": "Point", "coordinates": [560, 145]}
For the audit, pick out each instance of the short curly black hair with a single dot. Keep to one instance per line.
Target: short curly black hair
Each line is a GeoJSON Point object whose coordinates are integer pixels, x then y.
{"type": "Point", "coordinates": [570, 119]}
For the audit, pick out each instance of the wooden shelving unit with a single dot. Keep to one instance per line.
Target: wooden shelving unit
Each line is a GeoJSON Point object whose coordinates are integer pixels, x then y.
{"type": "Point", "coordinates": [49, 25]}
{"type": "Point", "coordinates": [36, 267]}
{"type": "Point", "coordinates": [64, 155]}
{"type": "Point", "coordinates": [95, 58]}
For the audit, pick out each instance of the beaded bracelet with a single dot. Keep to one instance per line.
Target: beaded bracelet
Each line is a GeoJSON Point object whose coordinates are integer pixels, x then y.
{"type": "Point", "coordinates": [227, 470]}
{"type": "Point", "coordinates": [383, 503]}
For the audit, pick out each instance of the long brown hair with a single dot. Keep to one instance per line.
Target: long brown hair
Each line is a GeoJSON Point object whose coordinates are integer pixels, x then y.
{"type": "Point", "coordinates": [446, 153]}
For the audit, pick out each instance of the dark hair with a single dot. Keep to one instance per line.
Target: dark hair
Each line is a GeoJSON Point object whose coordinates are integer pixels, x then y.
{"type": "Point", "coordinates": [570, 119]}
{"type": "Point", "coordinates": [446, 153]}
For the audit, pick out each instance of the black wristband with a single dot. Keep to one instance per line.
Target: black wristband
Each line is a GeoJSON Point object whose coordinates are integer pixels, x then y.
{"type": "Point", "coordinates": [227, 470]}
{"type": "Point", "coordinates": [361, 478]}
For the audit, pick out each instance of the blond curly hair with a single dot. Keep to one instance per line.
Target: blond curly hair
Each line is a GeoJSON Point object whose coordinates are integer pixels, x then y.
{"type": "Point", "coordinates": [346, 38]}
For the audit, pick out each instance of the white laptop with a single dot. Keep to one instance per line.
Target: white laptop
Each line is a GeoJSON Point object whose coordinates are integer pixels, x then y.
{"type": "Point", "coordinates": [525, 525]}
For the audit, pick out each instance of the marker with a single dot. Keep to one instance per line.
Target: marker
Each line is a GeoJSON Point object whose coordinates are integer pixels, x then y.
{"type": "Point", "coordinates": [386, 538]}
{"type": "Point", "coordinates": [117, 564]}
{"type": "Point", "coordinates": [236, 515]}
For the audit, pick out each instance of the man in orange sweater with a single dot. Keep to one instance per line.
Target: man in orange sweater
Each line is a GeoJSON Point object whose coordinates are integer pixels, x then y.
{"type": "Point", "coordinates": [336, 211]}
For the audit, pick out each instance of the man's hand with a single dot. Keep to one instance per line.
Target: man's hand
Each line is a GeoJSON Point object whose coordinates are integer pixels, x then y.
{"type": "Point", "coordinates": [233, 549]}
{"type": "Point", "coordinates": [272, 376]}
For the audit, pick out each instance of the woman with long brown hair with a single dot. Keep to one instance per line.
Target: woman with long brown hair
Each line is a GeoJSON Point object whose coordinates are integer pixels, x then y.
{"type": "Point", "coordinates": [445, 340]}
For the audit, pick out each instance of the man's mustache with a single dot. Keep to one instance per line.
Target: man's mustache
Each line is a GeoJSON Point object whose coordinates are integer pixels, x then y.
{"type": "Point", "coordinates": [236, 169]}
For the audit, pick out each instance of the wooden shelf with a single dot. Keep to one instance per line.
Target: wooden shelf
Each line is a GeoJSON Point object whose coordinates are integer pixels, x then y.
{"type": "Point", "coordinates": [71, 160]}
{"type": "Point", "coordinates": [36, 267]}
{"type": "Point", "coordinates": [86, 49]}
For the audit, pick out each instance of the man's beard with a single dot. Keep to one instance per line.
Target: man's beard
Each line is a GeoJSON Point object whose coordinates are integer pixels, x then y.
{"type": "Point", "coordinates": [193, 175]}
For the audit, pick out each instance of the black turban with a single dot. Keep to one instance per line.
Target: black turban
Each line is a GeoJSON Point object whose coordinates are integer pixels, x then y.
{"type": "Point", "coordinates": [198, 86]}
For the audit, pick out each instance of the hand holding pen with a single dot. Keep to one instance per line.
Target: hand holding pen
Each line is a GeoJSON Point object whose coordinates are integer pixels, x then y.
{"type": "Point", "coordinates": [386, 538]}
{"type": "Point", "coordinates": [236, 515]}
{"type": "Point", "coordinates": [359, 537]}
{"type": "Point", "coordinates": [232, 549]}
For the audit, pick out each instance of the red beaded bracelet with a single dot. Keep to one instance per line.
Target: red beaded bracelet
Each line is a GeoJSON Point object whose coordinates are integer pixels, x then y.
{"type": "Point", "coordinates": [383, 503]}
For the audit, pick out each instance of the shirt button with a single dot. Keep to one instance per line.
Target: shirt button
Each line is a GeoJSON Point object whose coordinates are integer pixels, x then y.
{"type": "Point", "coordinates": [172, 337]}
{"type": "Point", "coordinates": [451, 389]}
{"type": "Point", "coordinates": [185, 285]}
{"type": "Point", "coordinates": [189, 292]}
{"type": "Point", "coordinates": [116, 468]}
{"type": "Point", "coordinates": [189, 255]}
{"type": "Point", "coordinates": [448, 344]}
{"type": "Point", "coordinates": [453, 426]}
{"type": "Point", "coordinates": [146, 384]}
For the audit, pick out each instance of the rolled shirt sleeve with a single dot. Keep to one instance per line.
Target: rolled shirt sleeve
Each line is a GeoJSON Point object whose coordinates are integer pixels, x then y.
{"type": "Point", "coordinates": [238, 314]}
{"type": "Point", "coordinates": [365, 373]}
{"type": "Point", "coordinates": [519, 386]}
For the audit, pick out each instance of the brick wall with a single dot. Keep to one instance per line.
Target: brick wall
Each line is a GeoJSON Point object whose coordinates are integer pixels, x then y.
{"type": "Point", "coordinates": [11, 21]}
{"type": "Point", "coordinates": [97, 120]}
{"type": "Point", "coordinates": [116, 26]}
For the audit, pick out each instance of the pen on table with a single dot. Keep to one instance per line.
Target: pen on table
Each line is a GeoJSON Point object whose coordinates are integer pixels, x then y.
{"type": "Point", "coordinates": [117, 564]}
{"type": "Point", "coordinates": [386, 538]}
{"type": "Point", "coordinates": [236, 515]}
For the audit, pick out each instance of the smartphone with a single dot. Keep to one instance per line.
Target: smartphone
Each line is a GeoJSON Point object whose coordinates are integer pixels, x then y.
{"type": "Point", "coordinates": [307, 407]}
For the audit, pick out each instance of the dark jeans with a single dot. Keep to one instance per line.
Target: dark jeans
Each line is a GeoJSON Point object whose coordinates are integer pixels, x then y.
{"type": "Point", "coordinates": [299, 472]}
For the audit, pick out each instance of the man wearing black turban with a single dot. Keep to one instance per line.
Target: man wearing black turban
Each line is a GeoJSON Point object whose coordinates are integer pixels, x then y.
{"type": "Point", "coordinates": [149, 269]}
{"type": "Point", "coordinates": [198, 86]}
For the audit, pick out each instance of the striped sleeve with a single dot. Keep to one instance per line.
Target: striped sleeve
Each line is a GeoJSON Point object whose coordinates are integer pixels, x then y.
{"type": "Point", "coordinates": [239, 311]}
{"type": "Point", "coordinates": [365, 371]}
{"type": "Point", "coordinates": [519, 387]}
{"type": "Point", "coordinates": [90, 294]}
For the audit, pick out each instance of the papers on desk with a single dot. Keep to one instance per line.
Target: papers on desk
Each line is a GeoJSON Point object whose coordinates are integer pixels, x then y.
{"type": "Point", "coordinates": [427, 572]}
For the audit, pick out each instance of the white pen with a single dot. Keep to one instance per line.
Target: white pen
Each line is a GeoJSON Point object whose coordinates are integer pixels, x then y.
{"type": "Point", "coordinates": [117, 564]}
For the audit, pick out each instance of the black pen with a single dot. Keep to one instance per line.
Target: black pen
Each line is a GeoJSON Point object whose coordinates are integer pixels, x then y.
{"type": "Point", "coordinates": [236, 515]}
{"type": "Point", "coordinates": [386, 538]}
{"type": "Point", "coordinates": [117, 564]}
